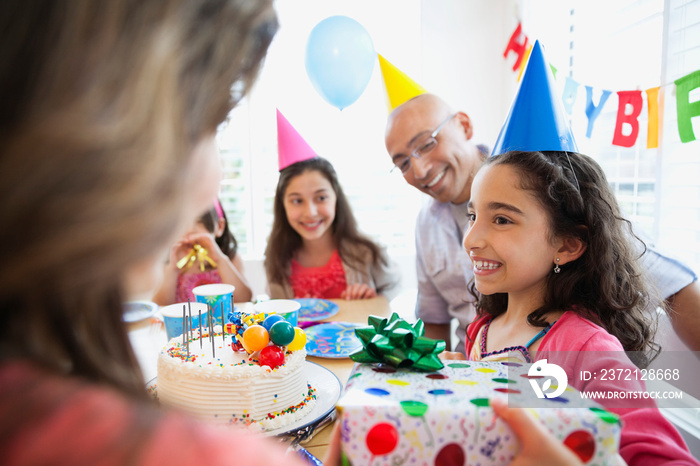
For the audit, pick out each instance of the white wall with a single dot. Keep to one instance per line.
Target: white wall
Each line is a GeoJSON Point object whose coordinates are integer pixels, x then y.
{"type": "Point", "coordinates": [462, 49]}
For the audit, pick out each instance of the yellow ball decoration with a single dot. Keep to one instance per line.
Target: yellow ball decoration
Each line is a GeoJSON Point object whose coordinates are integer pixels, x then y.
{"type": "Point", "coordinates": [299, 341]}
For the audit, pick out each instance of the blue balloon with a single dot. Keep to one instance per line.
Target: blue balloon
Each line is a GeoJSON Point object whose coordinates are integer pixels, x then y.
{"type": "Point", "coordinates": [339, 60]}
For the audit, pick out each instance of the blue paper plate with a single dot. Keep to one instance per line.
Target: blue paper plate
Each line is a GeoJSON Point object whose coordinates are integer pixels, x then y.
{"type": "Point", "coordinates": [138, 310]}
{"type": "Point", "coordinates": [313, 309]}
{"type": "Point", "coordinates": [332, 340]}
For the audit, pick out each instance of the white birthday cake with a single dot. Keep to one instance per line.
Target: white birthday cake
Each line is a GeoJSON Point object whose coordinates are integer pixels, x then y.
{"type": "Point", "coordinates": [223, 385]}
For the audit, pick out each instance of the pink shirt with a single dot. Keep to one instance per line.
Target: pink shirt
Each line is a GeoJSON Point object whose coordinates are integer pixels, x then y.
{"type": "Point", "coordinates": [325, 282]}
{"type": "Point", "coordinates": [186, 282]}
{"type": "Point", "coordinates": [50, 419]}
{"type": "Point", "coordinates": [647, 437]}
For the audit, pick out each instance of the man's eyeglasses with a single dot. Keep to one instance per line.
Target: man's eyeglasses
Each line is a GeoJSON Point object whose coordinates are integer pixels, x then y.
{"type": "Point", "coordinates": [424, 147]}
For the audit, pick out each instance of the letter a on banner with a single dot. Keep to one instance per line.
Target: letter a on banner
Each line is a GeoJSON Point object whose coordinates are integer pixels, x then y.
{"type": "Point", "coordinates": [633, 98]}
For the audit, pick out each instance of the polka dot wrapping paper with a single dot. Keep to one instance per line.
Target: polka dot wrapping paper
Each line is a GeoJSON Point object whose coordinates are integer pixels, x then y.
{"type": "Point", "coordinates": [401, 417]}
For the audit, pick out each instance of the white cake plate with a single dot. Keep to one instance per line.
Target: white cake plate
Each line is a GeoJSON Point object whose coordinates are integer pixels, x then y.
{"type": "Point", "coordinates": [328, 389]}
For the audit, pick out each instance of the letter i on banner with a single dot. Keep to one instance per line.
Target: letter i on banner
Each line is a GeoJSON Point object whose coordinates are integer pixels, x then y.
{"type": "Point", "coordinates": [684, 108]}
{"type": "Point", "coordinates": [516, 46]}
{"type": "Point", "coordinates": [633, 98]}
{"type": "Point", "coordinates": [653, 110]}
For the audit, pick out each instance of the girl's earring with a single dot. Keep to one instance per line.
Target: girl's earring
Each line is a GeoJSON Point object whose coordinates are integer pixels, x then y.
{"type": "Point", "coordinates": [556, 267]}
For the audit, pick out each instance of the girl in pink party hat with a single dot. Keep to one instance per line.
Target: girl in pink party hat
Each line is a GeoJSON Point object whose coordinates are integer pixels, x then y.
{"type": "Point", "coordinates": [315, 249]}
{"type": "Point", "coordinates": [206, 254]}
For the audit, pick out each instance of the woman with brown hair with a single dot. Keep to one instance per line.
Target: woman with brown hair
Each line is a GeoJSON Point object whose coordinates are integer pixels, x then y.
{"type": "Point", "coordinates": [107, 154]}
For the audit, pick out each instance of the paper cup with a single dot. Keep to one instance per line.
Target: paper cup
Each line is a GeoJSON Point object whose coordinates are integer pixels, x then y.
{"type": "Point", "coordinates": [172, 316]}
{"type": "Point", "coordinates": [287, 308]}
{"type": "Point", "coordinates": [216, 295]}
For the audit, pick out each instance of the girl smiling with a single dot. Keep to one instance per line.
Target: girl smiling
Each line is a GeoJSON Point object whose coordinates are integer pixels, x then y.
{"type": "Point", "coordinates": [315, 249]}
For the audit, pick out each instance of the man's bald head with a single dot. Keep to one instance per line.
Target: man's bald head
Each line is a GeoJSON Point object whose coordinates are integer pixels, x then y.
{"type": "Point", "coordinates": [446, 170]}
{"type": "Point", "coordinates": [426, 104]}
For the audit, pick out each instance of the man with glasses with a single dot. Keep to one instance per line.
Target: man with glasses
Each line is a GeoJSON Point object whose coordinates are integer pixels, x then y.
{"type": "Point", "coordinates": [431, 146]}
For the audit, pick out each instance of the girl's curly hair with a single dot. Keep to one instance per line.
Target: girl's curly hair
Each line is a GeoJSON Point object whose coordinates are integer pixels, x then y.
{"type": "Point", "coordinates": [606, 284]}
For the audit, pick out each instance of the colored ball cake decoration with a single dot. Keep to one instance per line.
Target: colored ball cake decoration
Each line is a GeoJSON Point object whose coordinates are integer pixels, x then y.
{"type": "Point", "coordinates": [272, 356]}
{"type": "Point", "coordinates": [268, 335]}
{"type": "Point", "coordinates": [282, 333]}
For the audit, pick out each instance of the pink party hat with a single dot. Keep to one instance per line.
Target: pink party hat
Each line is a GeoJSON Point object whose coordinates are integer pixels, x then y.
{"type": "Point", "coordinates": [291, 147]}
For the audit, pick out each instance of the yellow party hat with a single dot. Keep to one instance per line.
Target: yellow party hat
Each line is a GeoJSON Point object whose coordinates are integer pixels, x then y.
{"type": "Point", "coordinates": [399, 87]}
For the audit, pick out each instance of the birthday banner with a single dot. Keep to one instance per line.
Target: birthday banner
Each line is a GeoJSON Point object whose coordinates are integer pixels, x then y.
{"type": "Point", "coordinates": [630, 103]}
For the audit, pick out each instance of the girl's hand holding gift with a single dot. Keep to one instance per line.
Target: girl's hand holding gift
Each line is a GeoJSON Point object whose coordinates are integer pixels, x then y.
{"type": "Point", "coordinates": [538, 445]}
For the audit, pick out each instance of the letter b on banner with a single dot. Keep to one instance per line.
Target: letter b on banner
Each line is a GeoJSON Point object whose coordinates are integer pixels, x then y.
{"type": "Point", "coordinates": [633, 98]}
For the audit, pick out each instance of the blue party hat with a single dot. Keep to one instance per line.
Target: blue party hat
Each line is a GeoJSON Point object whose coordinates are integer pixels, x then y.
{"type": "Point", "coordinates": [536, 121]}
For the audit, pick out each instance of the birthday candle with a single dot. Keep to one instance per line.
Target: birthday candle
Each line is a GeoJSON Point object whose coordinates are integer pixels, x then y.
{"type": "Point", "coordinates": [183, 324]}
{"type": "Point", "coordinates": [208, 320]}
{"type": "Point", "coordinates": [200, 328]}
{"type": "Point", "coordinates": [211, 331]}
{"type": "Point", "coordinates": [223, 334]}
{"type": "Point", "coordinates": [188, 325]}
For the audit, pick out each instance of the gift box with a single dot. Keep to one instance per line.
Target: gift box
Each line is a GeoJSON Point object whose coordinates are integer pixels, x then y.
{"type": "Point", "coordinates": [403, 405]}
{"type": "Point", "coordinates": [394, 416]}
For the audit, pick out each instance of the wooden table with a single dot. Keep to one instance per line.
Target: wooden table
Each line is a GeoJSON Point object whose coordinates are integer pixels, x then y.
{"type": "Point", "coordinates": [349, 311]}
{"type": "Point", "coordinates": [148, 338]}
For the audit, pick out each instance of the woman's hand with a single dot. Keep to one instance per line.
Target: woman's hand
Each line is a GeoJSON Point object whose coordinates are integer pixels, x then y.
{"type": "Point", "coordinates": [538, 445]}
{"type": "Point", "coordinates": [358, 291]}
{"type": "Point", "coordinates": [450, 355]}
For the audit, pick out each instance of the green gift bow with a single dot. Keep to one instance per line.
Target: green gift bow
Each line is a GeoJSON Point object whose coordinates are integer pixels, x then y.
{"type": "Point", "coordinates": [398, 343]}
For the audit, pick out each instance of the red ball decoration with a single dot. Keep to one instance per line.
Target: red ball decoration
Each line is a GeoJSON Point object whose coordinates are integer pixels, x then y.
{"type": "Point", "coordinates": [382, 438]}
{"type": "Point", "coordinates": [582, 443]}
{"type": "Point", "coordinates": [272, 356]}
